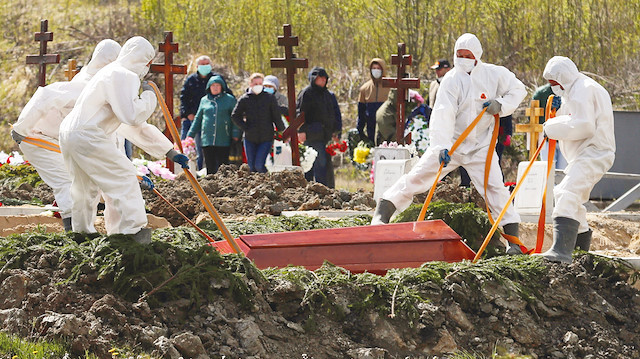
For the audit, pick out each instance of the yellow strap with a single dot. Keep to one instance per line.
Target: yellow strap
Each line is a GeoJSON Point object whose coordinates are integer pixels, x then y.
{"type": "Point", "coordinates": [42, 144]}
{"type": "Point", "coordinates": [463, 136]}
{"type": "Point", "coordinates": [506, 206]}
{"type": "Point", "coordinates": [487, 169]}
{"type": "Point", "coordinates": [194, 183]}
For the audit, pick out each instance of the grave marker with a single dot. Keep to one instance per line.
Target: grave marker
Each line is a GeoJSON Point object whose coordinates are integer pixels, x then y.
{"type": "Point", "coordinates": [533, 128]}
{"type": "Point", "coordinates": [43, 58]}
{"type": "Point", "coordinates": [168, 69]}
{"type": "Point", "coordinates": [402, 84]}
{"type": "Point", "coordinates": [291, 63]}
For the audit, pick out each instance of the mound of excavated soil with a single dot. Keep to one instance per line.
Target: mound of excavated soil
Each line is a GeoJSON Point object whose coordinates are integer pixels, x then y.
{"type": "Point", "coordinates": [519, 306]}
{"type": "Point", "coordinates": [236, 191]}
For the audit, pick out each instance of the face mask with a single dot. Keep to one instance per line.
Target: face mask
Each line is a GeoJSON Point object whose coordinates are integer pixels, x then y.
{"type": "Point", "coordinates": [463, 64]}
{"type": "Point", "coordinates": [144, 72]}
{"type": "Point", "coordinates": [376, 73]}
{"type": "Point", "coordinates": [557, 90]}
{"type": "Point", "coordinates": [257, 89]}
{"type": "Point", "coordinates": [440, 78]}
{"type": "Point", "coordinates": [269, 90]}
{"type": "Point", "coordinates": [204, 70]}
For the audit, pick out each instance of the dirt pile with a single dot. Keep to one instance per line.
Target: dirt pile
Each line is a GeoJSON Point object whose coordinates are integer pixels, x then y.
{"type": "Point", "coordinates": [236, 191]}
{"type": "Point", "coordinates": [223, 306]}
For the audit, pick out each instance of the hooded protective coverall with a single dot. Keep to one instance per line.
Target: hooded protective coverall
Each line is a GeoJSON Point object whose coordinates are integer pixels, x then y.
{"type": "Point", "coordinates": [584, 128]}
{"type": "Point", "coordinates": [459, 101]}
{"type": "Point", "coordinates": [41, 119]}
{"type": "Point", "coordinates": [110, 103]}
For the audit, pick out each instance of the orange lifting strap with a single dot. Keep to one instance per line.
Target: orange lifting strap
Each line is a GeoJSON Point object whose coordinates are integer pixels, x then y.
{"type": "Point", "coordinates": [194, 183]}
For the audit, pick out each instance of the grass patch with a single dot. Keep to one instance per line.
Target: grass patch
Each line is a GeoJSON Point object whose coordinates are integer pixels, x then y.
{"type": "Point", "coordinates": [12, 176]}
{"type": "Point", "coordinates": [285, 224]}
{"type": "Point", "coordinates": [12, 346]}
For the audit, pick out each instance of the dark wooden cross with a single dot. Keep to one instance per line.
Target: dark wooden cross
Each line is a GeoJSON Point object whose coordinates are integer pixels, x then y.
{"type": "Point", "coordinates": [43, 58]}
{"type": "Point", "coordinates": [168, 69]}
{"type": "Point", "coordinates": [291, 63]}
{"type": "Point", "coordinates": [72, 69]}
{"type": "Point", "coordinates": [402, 84]}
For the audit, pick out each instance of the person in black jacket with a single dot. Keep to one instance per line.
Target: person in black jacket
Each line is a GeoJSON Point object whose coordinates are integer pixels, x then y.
{"type": "Point", "coordinates": [322, 120]}
{"type": "Point", "coordinates": [191, 93]}
{"type": "Point", "coordinates": [256, 113]}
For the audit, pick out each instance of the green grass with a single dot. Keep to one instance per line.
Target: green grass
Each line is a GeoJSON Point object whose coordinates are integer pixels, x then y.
{"type": "Point", "coordinates": [14, 347]}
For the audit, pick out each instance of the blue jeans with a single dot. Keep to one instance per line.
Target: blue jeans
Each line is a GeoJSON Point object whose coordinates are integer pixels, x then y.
{"type": "Point", "coordinates": [257, 155]}
{"type": "Point", "coordinates": [186, 126]}
{"type": "Point", "coordinates": [320, 166]}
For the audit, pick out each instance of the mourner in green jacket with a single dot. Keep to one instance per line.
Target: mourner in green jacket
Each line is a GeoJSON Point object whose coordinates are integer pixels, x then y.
{"type": "Point", "coordinates": [213, 122]}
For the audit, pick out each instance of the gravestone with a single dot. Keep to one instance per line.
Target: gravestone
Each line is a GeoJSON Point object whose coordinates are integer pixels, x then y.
{"type": "Point", "coordinates": [528, 200]}
{"type": "Point", "coordinates": [387, 173]}
{"type": "Point", "coordinates": [627, 131]}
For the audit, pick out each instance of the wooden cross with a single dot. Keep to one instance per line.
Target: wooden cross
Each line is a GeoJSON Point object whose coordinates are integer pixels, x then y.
{"type": "Point", "coordinates": [43, 58]}
{"type": "Point", "coordinates": [168, 69]}
{"type": "Point", "coordinates": [402, 84]}
{"type": "Point", "coordinates": [533, 128]}
{"type": "Point", "coordinates": [291, 63]}
{"type": "Point", "coordinates": [72, 69]}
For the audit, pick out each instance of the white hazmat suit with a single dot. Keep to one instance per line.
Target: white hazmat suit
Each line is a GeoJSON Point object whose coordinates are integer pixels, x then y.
{"type": "Point", "coordinates": [110, 104]}
{"type": "Point", "coordinates": [585, 133]}
{"type": "Point", "coordinates": [460, 100]}
{"type": "Point", "coordinates": [41, 118]}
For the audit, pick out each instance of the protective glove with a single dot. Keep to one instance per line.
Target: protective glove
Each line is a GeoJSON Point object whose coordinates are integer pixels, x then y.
{"type": "Point", "coordinates": [179, 158]}
{"type": "Point", "coordinates": [556, 102]}
{"type": "Point", "coordinates": [146, 183]}
{"type": "Point", "coordinates": [146, 86]}
{"type": "Point", "coordinates": [444, 157]}
{"type": "Point", "coordinates": [493, 107]}
{"type": "Point", "coordinates": [507, 141]}
{"type": "Point", "coordinates": [17, 137]}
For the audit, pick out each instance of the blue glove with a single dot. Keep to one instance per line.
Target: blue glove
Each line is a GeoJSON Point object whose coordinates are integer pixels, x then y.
{"type": "Point", "coordinates": [182, 160]}
{"type": "Point", "coordinates": [146, 183]}
{"type": "Point", "coordinates": [556, 102]}
{"type": "Point", "coordinates": [178, 157]}
{"type": "Point", "coordinates": [444, 157]}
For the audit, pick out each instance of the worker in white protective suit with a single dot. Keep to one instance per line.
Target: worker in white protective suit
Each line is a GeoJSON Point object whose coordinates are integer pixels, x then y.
{"type": "Point", "coordinates": [40, 120]}
{"type": "Point", "coordinates": [464, 92]}
{"type": "Point", "coordinates": [110, 103]}
{"type": "Point", "coordinates": [585, 133]}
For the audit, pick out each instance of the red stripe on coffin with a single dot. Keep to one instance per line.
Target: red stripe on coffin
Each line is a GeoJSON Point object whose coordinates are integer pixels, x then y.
{"type": "Point", "coordinates": [374, 249]}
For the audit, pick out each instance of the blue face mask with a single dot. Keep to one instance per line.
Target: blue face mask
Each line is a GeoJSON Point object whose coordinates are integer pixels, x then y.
{"type": "Point", "coordinates": [269, 90]}
{"type": "Point", "coordinates": [204, 70]}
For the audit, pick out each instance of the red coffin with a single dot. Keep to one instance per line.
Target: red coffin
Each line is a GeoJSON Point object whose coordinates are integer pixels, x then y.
{"type": "Point", "coordinates": [373, 249]}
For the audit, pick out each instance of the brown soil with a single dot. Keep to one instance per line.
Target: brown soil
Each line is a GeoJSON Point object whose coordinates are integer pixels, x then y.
{"type": "Point", "coordinates": [237, 192]}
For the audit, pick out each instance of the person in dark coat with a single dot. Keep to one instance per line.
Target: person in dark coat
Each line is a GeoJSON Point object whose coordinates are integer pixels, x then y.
{"type": "Point", "coordinates": [256, 113]}
{"type": "Point", "coordinates": [322, 123]}
{"type": "Point", "coordinates": [191, 93]}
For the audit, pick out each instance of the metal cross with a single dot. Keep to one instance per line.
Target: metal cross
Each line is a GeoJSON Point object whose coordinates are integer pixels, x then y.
{"type": "Point", "coordinates": [291, 63]}
{"type": "Point", "coordinates": [533, 128]}
{"type": "Point", "coordinates": [43, 58]}
{"type": "Point", "coordinates": [72, 69]}
{"type": "Point", "coordinates": [168, 69]}
{"type": "Point", "coordinates": [402, 84]}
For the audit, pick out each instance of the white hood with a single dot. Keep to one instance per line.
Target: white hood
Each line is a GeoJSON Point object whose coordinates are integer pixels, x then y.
{"type": "Point", "coordinates": [105, 53]}
{"type": "Point", "coordinates": [561, 70]}
{"type": "Point", "coordinates": [469, 42]}
{"type": "Point", "coordinates": [136, 54]}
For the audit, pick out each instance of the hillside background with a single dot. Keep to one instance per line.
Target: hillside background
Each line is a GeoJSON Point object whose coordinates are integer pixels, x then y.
{"type": "Point", "coordinates": [601, 36]}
